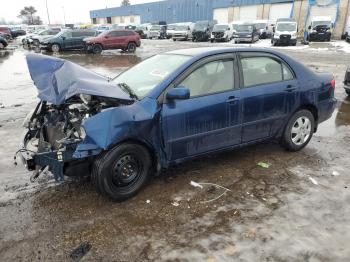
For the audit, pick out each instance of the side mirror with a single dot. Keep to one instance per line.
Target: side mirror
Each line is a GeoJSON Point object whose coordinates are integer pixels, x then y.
{"type": "Point", "coordinates": [309, 27]}
{"type": "Point", "coordinates": [178, 93]}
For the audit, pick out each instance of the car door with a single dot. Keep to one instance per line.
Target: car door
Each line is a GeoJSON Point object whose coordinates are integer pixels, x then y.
{"type": "Point", "coordinates": [77, 39]}
{"type": "Point", "coordinates": [269, 94]}
{"type": "Point", "coordinates": [66, 40]}
{"type": "Point", "coordinates": [211, 118]}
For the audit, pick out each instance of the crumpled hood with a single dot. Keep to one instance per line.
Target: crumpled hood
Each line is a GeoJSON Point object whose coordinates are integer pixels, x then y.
{"type": "Point", "coordinates": [58, 79]}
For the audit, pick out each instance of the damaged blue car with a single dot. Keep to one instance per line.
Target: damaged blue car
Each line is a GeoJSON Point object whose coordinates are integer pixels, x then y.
{"type": "Point", "coordinates": [167, 109]}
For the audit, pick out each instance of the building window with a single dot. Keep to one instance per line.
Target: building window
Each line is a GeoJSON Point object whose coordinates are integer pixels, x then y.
{"type": "Point", "coordinates": [132, 19]}
{"type": "Point", "coordinates": [109, 20]}
{"type": "Point", "coordinates": [94, 21]}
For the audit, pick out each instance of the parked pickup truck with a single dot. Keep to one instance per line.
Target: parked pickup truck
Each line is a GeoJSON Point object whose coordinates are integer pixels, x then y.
{"type": "Point", "coordinates": [114, 39]}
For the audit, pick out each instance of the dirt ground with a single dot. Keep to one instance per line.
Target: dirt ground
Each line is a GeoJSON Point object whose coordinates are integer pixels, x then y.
{"type": "Point", "coordinates": [297, 209]}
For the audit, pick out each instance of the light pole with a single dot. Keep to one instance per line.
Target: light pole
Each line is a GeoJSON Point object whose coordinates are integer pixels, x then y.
{"type": "Point", "coordinates": [64, 16]}
{"type": "Point", "coordinates": [47, 11]}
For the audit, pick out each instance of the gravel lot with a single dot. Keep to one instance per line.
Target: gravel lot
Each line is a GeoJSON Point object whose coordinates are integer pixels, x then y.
{"type": "Point", "coordinates": [295, 210]}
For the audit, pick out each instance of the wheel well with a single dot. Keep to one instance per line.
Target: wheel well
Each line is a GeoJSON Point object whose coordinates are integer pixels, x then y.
{"type": "Point", "coordinates": [132, 42]}
{"type": "Point", "coordinates": [312, 109]}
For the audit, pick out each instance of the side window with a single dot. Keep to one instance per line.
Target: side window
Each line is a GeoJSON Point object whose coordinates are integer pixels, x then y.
{"type": "Point", "coordinates": [213, 77]}
{"type": "Point", "coordinates": [287, 74]}
{"type": "Point", "coordinates": [261, 70]}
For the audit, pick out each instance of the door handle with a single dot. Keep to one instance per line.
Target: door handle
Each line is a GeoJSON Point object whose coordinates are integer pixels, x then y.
{"type": "Point", "coordinates": [290, 88]}
{"type": "Point", "coordinates": [232, 99]}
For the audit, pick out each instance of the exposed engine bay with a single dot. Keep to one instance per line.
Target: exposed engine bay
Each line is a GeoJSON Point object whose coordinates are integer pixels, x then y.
{"type": "Point", "coordinates": [54, 131]}
{"type": "Point", "coordinates": [58, 125]}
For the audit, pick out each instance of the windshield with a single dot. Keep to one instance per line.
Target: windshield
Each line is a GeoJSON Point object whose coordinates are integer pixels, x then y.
{"type": "Point", "coordinates": [181, 27]}
{"type": "Point", "coordinates": [260, 26]}
{"type": "Point", "coordinates": [145, 76]}
{"type": "Point", "coordinates": [286, 27]}
{"type": "Point", "coordinates": [244, 28]}
{"type": "Point", "coordinates": [220, 27]}
{"type": "Point", "coordinates": [200, 26]}
{"type": "Point", "coordinates": [155, 28]}
{"type": "Point", "coordinates": [317, 23]}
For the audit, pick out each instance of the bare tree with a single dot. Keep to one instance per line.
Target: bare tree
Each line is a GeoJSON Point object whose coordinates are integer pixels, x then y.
{"type": "Point", "coordinates": [125, 3]}
{"type": "Point", "coordinates": [27, 14]}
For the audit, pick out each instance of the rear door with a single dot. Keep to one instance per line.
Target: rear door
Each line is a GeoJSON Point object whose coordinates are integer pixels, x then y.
{"type": "Point", "coordinates": [270, 93]}
{"type": "Point", "coordinates": [211, 118]}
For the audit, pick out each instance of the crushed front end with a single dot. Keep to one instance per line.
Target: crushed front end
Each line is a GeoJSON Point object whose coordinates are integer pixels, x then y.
{"type": "Point", "coordinates": [54, 132]}
{"type": "Point", "coordinates": [55, 139]}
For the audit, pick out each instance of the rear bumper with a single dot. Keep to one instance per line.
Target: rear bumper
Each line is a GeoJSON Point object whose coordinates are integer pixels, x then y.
{"type": "Point", "coordinates": [326, 109]}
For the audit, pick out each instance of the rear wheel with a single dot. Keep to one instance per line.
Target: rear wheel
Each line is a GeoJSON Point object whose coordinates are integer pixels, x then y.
{"type": "Point", "coordinates": [55, 48]}
{"type": "Point", "coordinates": [131, 47]}
{"type": "Point", "coordinates": [97, 49]}
{"type": "Point", "coordinates": [122, 172]}
{"type": "Point", "coordinates": [299, 130]}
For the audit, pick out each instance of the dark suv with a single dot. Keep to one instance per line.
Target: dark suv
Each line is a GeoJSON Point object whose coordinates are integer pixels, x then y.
{"type": "Point", "coordinates": [114, 39]}
{"type": "Point", "coordinates": [67, 40]}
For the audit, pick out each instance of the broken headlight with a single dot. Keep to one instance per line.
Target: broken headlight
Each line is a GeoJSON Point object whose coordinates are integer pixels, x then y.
{"type": "Point", "coordinates": [27, 118]}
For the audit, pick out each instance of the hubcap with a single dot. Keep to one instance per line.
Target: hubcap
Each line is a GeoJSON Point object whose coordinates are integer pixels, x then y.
{"type": "Point", "coordinates": [132, 48]}
{"type": "Point", "coordinates": [301, 130]}
{"type": "Point", "coordinates": [126, 169]}
{"type": "Point", "coordinates": [55, 48]}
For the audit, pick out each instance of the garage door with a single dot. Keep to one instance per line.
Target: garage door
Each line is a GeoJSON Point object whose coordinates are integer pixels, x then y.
{"type": "Point", "coordinates": [221, 15]}
{"type": "Point", "coordinates": [248, 13]}
{"type": "Point", "coordinates": [329, 10]}
{"type": "Point", "coordinates": [280, 11]}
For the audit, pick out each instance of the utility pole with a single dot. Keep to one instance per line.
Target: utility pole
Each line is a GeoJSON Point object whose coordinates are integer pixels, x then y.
{"type": "Point", "coordinates": [47, 11]}
{"type": "Point", "coordinates": [64, 16]}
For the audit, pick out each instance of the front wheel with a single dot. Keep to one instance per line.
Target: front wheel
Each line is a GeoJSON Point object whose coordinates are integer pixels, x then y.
{"type": "Point", "coordinates": [97, 49]}
{"type": "Point", "coordinates": [299, 130]}
{"type": "Point", "coordinates": [55, 48]}
{"type": "Point", "coordinates": [131, 47]}
{"type": "Point", "coordinates": [122, 172]}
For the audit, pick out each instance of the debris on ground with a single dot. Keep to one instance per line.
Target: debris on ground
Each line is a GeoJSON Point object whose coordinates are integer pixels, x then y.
{"type": "Point", "coordinates": [313, 180]}
{"type": "Point", "coordinates": [264, 165]}
{"type": "Point", "coordinates": [335, 173]}
{"type": "Point", "coordinates": [78, 253]}
{"type": "Point", "coordinates": [195, 184]}
{"type": "Point", "coordinates": [148, 201]}
{"type": "Point", "coordinates": [175, 204]}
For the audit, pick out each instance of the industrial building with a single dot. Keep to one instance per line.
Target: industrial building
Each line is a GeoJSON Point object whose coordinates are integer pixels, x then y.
{"type": "Point", "coordinates": [226, 11]}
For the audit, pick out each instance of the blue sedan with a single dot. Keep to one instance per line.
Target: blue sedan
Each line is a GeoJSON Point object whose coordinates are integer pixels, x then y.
{"type": "Point", "coordinates": [170, 108]}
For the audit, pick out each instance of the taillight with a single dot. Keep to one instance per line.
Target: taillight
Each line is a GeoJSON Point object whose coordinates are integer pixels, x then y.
{"type": "Point", "coordinates": [333, 83]}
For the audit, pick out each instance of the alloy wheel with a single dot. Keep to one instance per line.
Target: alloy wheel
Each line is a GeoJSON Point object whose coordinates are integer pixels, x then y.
{"type": "Point", "coordinates": [301, 130]}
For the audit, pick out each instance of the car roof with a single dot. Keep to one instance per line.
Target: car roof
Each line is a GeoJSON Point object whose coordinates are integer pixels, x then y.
{"type": "Point", "coordinates": [207, 51]}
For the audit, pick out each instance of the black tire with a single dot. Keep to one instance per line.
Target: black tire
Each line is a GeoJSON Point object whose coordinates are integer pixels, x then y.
{"type": "Point", "coordinates": [131, 47]}
{"type": "Point", "coordinates": [212, 41]}
{"type": "Point", "coordinates": [290, 139]}
{"type": "Point", "coordinates": [55, 48]}
{"type": "Point", "coordinates": [347, 92]}
{"type": "Point", "coordinates": [174, 39]}
{"type": "Point", "coordinates": [36, 42]}
{"type": "Point", "coordinates": [122, 172]}
{"type": "Point", "coordinates": [97, 49]}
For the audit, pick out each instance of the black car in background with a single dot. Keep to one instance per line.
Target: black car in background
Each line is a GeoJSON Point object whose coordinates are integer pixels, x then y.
{"type": "Point", "coordinates": [70, 39]}
{"type": "Point", "coordinates": [246, 32]}
{"type": "Point", "coordinates": [17, 32]}
{"type": "Point", "coordinates": [202, 30]}
{"type": "Point", "coordinates": [3, 42]}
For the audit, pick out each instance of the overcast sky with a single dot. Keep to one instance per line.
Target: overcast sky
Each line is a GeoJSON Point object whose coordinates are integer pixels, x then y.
{"type": "Point", "coordinates": [75, 10]}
